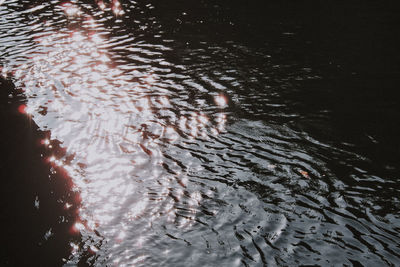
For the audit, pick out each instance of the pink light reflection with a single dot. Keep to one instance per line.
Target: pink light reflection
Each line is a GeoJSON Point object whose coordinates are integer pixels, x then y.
{"type": "Point", "coordinates": [101, 5]}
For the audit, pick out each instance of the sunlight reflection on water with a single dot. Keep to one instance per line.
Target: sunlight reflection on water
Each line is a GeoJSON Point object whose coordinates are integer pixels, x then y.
{"type": "Point", "coordinates": [185, 146]}
{"type": "Point", "coordinates": [106, 119]}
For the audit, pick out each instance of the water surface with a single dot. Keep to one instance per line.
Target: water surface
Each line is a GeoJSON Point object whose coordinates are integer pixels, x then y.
{"type": "Point", "coordinates": [207, 133]}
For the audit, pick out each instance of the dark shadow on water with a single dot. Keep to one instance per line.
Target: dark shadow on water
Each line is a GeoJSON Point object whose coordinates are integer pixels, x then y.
{"type": "Point", "coordinates": [35, 223]}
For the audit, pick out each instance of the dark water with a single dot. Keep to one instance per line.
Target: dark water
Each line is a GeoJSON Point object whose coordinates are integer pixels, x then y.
{"type": "Point", "coordinates": [199, 133]}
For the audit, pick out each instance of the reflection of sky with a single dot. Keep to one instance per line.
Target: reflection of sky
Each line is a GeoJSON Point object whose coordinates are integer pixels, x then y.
{"type": "Point", "coordinates": [106, 118]}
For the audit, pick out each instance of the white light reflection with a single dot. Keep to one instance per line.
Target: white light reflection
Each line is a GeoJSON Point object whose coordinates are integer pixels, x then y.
{"type": "Point", "coordinates": [71, 10]}
{"type": "Point", "coordinates": [101, 5]}
{"type": "Point", "coordinates": [107, 121]}
{"type": "Point", "coordinates": [221, 100]}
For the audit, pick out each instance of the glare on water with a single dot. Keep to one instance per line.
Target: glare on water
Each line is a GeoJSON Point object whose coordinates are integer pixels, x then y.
{"type": "Point", "coordinates": [164, 143]}
{"type": "Point", "coordinates": [106, 119]}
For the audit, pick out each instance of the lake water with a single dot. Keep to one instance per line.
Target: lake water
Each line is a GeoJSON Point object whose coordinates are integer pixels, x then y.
{"type": "Point", "coordinates": [199, 133]}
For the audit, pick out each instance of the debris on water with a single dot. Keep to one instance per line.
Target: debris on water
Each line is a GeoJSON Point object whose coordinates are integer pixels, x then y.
{"type": "Point", "coordinates": [305, 174]}
{"type": "Point", "coordinates": [37, 202]}
{"type": "Point", "coordinates": [271, 166]}
{"type": "Point", "coordinates": [48, 234]}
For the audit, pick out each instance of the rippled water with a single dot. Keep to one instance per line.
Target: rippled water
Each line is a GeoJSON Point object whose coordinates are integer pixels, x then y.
{"type": "Point", "coordinates": [190, 134]}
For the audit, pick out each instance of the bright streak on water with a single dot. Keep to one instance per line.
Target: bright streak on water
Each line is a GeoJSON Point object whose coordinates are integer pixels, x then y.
{"type": "Point", "coordinates": [105, 117]}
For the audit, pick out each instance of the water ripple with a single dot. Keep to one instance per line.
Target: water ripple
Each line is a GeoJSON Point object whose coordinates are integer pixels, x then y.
{"type": "Point", "coordinates": [186, 155]}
